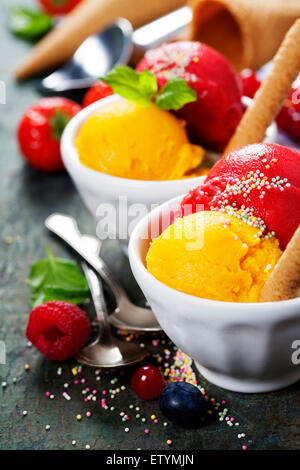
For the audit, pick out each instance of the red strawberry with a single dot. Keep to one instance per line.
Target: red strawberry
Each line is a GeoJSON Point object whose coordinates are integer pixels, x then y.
{"type": "Point", "coordinates": [288, 120]}
{"type": "Point", "coordinates": [97, 92]}
{"type": "Point", "coordinates": [40, 131]}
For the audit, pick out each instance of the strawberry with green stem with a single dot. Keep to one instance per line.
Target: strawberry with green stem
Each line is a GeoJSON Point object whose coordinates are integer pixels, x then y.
{"type": "Point", "coordinates": [40, 131]}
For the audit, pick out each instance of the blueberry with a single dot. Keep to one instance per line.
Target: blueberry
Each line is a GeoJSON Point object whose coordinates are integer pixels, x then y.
{"type": "Point", "coordinates": [183, 404]}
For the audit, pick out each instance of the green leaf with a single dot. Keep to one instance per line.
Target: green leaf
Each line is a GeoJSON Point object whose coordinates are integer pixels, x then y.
{"type": "Point", "coordinates": [175, 94]}
{"type": "Point", "coordinates": [56, 279]}
{"type": "Point", "coordinates": [138, 87]}
{"type": "Point", "coordinates": [27, 23]}
{"type": "Point", "coordinates": [143, 89]}
{"type": "Point", "coordinates": [147, 83]}
{"type": "Point", "coordinates": [58, 123]}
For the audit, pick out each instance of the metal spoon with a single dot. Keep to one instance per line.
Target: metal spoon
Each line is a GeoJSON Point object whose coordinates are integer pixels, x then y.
{"type": "Point", "coordinates": [107, 350]}
{"type": "Point", "coordinates": [127, 315]}
{"type": "Point", "coordinates": [116, 45]}
{"type": "Point", "coordinates": [93, 59]}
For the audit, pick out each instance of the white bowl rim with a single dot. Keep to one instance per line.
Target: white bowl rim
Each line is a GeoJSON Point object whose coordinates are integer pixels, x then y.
{"type": "Point", "coordinates": [70, 154]}
{"type": "Point", "coordinates": [259, 309]}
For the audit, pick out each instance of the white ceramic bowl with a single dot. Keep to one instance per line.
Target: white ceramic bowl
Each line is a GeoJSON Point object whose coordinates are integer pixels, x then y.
{"type": "Point", "coordinates": [100, 192]}
{"type": "Point", "coordinates": [97, 188]}
{"type": "Point", "coordinates": [244, 347]}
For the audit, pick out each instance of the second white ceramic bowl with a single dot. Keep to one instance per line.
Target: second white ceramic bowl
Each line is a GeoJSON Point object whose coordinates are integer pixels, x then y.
{"type": "Point", "coordinates": [244, 347]}
{"type": "Point", "coordinates": [102, 193]}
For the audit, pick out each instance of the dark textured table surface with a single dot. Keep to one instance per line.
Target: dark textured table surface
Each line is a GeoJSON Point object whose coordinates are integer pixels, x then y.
{"type": "Point", "coordinates": [269, 421]}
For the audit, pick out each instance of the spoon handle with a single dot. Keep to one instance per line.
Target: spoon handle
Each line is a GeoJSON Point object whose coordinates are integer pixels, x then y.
{"type": "Point", "coordinates": [161, 30]}
{"type": "Point", "coordinates": [96, 288]}
{"type": "Point", "coordinates": [66, 228]}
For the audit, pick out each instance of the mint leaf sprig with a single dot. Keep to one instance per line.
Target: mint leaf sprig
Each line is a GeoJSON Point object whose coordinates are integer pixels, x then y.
{"type": "Point", "coordinates": [143, 88]}
{"type": "Point", "coordinates": [56, 279]}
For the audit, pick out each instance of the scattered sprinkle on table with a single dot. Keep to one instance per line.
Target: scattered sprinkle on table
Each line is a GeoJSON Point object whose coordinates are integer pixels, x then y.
{"type": "Point", "coordinates": [175, 366]}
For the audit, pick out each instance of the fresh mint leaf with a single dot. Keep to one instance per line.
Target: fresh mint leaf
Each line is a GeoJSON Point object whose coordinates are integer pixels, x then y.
{"type": "Point", "coordinates": [27, 23]}
{"type": "Point", "coordinates": [175, 94]}
{"type": "Point", "coordinates": [147, 83]}
{"type": "Point", "coordinates": [143, 88]}
{"type": "Point", "coordinates": [56, 279]}
{"type": "Point", "coordinates": [138, 87]}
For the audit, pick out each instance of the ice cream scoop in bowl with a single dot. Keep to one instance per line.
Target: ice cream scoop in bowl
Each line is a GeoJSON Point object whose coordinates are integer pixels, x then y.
{"type": "Point", "coordinates": [119, 202]}
{"type": "Point", "coordinates": [116, 202]}
{"type": "Point", "coordinates": [244, 347]}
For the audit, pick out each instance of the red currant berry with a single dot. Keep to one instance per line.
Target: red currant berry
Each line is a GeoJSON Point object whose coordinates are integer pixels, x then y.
{"type": "Point", "coordinates": [288, 120]}
{"type": "Point", "coordinates": [250, 82]}
{"type": "Point", "coordinates": [147, 382]}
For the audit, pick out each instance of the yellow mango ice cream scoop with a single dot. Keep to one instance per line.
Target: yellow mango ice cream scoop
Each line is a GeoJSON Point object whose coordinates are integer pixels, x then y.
{"type": "Point", "coordinates": [214, 256]}
{"type": "Point", "coordinates": [137, 142]}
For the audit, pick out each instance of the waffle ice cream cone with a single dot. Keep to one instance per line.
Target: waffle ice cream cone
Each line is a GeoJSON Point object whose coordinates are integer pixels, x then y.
{"type": "Point", "coordinates": [284, 281]}
{"type": "Point", "coordinates": [88, 18]}
{"type": "Point", "coordinates": [247, 32]}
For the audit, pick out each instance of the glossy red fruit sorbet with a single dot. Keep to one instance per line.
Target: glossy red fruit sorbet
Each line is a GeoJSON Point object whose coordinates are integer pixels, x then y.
{"type": "Point", "coordinates": [276, 199]}
{"type": "Point", "coordinates": [58, 7]}
{"type": "Point", "coordinates": [147, 382]}
{"type": "Point", "coordinates": [212, 119]}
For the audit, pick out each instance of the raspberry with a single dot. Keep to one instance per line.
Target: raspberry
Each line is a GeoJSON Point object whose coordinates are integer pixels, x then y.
{"type": "Point", "coordinates": [58, 329]}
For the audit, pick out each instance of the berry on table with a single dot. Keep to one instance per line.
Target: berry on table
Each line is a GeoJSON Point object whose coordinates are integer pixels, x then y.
{"type": "Point", "coordinates": [183, 404]}
{"type": "Point", "coordinates": [147, 382]}
{"type": "Point", "coordinates": [97, 92]}
{"type": "Point", "coordinates": [59, 330]}
{"type": "Point", "coordinates": [40, 130]}
{"type": "Point", "coordinates": [213, 117]}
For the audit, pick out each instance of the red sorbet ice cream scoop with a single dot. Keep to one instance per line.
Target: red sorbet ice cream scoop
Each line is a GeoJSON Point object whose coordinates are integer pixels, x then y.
{"type": "Point", "coordinates": [261, 181]}
{"type": "Point", "coordinates": [212, 119]}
